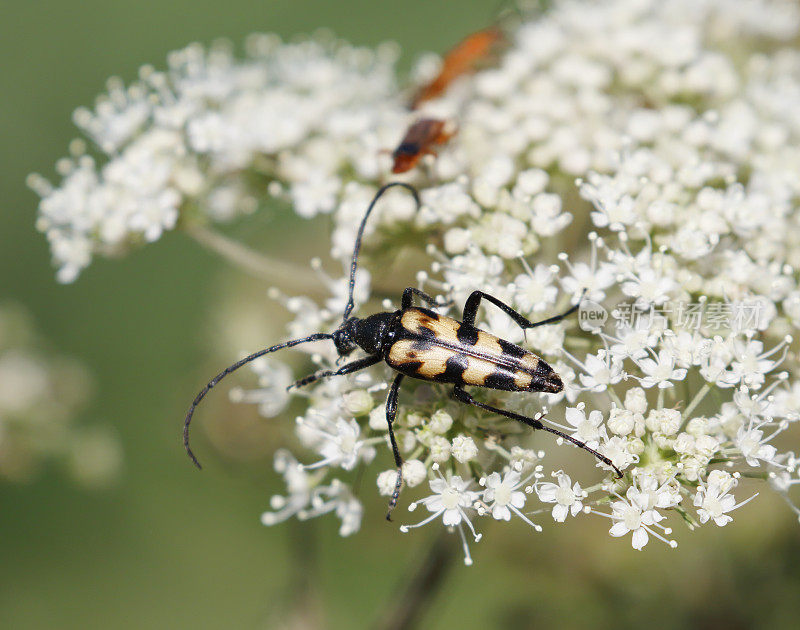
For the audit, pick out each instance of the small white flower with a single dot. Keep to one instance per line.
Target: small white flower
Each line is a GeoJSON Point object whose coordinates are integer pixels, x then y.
{"type": "Point", "coordinates": [751, 444]}
{"type": "Point", "coordinates": [601, 371]}
{"type": "Point", "coordinates": [534, 291]}
{"type": "Point", "coordinates": [634, 514]}
{"type": "Point", "coordinates": [713, 502]}
{"type": "Point", "coordinates": [661, 370]}
{"type": "Point", "coordinates": [523, 459]}
{"type": "Point", "coordinates": [450, 500]}
{"type": "Point", "coordinates": [620, 451]}
{"type": "Point", "coordinates": [614, 216]}
{"type": "Point", "coordinates": [299, 485]}
{"type": "Point", "coordinates": [586, 429]}
{"type": "Point", "coordinates": [649, 287]}
{"type": "Point", "coordinates": [568, 499]}
{"type": "Point", "coordinates": [633, 341]}
{"type": "Point", "coordinates": [503, 497]}
{"type": "Point", "coordinates": [651, 494]}
{"type": "Point", "coordinates": [631, 518]}
{"type": "Point", "coordinates": [273, 379]}
{"type": "Point", "coordinates": [751, 363]}
{"type": "Point", "coordinates": [594, 280]}
{"type": "Point", "coordinates": [335, 497]}
{"type": "Point", "coordinates": [340, 445]}
{"type": "Point", "coordinates": [688, 349]}
{"type": "Point", "coordinates": [377, 419]}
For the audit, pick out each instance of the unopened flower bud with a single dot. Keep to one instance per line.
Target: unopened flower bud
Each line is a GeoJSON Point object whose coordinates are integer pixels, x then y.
{"type": "Point", "coordinates": [440, 448]}
{"type": "Point", "coordinates": [440, 422]}
{"type": "Point", "coordinates": [414, 472]}
{"type": "Point", "coordinates": [386, 482]}
{"type": "Point", "coordinates": [636, 400]}
{"type": "Point", "coordinates": [358, 402]}
{"type": "Point", "coordinates": [621, 421]}
{"type": "Point", "coordinates": [464, 448]}
{"type": "Point", "coordinates": [377, 419]}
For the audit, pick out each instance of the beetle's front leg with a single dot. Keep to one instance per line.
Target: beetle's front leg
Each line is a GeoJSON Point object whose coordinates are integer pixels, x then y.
{"type": "Point", "coordinates": [360, 364]}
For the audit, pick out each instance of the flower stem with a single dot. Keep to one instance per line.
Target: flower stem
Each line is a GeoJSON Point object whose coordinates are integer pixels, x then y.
{"type": "Point", "coordinates": [278, 272]}
{"type": "Point", "coordinates": [697, 399]}
{"type": "Point", "coordinates": [410, 601]}
{"type": "Point", "coordinates": [299, 605]}
{"type": "Point", "coordinates": [614, 397]}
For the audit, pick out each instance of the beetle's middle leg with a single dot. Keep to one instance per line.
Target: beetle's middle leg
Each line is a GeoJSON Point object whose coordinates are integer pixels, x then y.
{"type": "Point", "coordinates": [391, 415]}
{"type": "Point", "coordinates": [462, 396]}
{"type": "Point", "coordinates": [410, 292]}
{"type": "Point", "coordinates": [355, 366]}
{"type": "Point", "coordinates": [474, 300]}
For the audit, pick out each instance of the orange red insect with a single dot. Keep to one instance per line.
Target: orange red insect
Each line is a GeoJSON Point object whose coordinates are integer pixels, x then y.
{"type": "Point", "coordinates": [419, 140]}
{"type": "Point", "coordinates": [462, 59]}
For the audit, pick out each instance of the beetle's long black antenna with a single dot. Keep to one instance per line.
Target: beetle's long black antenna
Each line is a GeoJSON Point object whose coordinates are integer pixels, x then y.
{"type": "Point", "coordinates": [232, 368]}
{"type": "Point", "coordinates": [349, 308]}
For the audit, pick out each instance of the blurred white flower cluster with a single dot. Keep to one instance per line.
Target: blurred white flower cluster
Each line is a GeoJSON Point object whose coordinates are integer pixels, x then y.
{"type": "Point", "coordinates": [207, 138]}
{"type": "Point", "coordinates": [40, 396]}
{"type": "Point", "coordinates": [646, 151]}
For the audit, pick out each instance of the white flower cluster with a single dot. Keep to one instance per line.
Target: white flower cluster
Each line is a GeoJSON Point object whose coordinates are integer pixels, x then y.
{"type": "Point", "coordinates": [204, 139]}
{"type": "Point", "coordinates": [643, 152]}
{"type": "Point", "coordinates": [40, 396]}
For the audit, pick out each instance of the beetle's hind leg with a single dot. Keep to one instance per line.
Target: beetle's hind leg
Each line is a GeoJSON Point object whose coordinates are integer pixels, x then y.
{"type": "Point", "coordinates": [462, 396]}
{"type": "Point", "coordinates": [355, 366]}
{"type": "Point", "coordinates": [391, 415]}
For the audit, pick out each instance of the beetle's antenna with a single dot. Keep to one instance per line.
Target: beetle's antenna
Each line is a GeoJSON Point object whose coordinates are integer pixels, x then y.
{"type": "Point", "coordinates": [349, 308]}
{"type": "Point", "coordinates": [232, 368]}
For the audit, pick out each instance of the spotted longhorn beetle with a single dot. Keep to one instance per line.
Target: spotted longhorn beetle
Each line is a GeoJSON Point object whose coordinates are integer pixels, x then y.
{"type": "Point", "coordinates": [422, 344]}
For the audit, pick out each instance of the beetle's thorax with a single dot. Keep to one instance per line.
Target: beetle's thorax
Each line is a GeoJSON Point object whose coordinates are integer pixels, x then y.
{"type": "Point", "coordinates": [370, 334]}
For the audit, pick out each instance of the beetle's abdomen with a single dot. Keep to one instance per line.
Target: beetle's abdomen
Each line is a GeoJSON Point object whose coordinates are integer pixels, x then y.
{"type": "Point", "coordinates": [441, 349]}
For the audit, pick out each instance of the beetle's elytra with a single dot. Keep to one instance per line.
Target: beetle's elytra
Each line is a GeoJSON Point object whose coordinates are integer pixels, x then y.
{"type": "Point", "coordinates": [433, 347]}
{"type": "Point", "coordinates": [423, 344]}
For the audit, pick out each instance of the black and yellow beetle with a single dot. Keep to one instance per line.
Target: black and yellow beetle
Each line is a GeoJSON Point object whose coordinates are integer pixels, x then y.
{"type": "Point", "coordinates": [420, 343]}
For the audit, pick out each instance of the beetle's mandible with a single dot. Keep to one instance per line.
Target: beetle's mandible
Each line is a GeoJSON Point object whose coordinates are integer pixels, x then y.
{"type": "Point", "coordinates": [422, 344]}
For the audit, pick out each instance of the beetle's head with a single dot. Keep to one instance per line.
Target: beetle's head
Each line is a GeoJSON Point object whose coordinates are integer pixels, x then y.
{"type": "Point", "coordinates": [344, 337]}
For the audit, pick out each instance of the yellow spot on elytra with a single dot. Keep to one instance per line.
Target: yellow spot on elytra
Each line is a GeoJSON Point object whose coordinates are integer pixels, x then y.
{"type": "Point", "coordinates": [478, 370]}
{"type": "Point", "coordinates": [522, 380]}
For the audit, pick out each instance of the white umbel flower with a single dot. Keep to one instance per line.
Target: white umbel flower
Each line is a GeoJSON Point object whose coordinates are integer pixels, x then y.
{"type": "Point", "coordinates": [503, 497]}
{"type": "Point", "coordinates": [450, 500]}
{"type": "Point", "coordinates": [641, 157]}
{"type": "Point", "coordinates": [713, 501]}
{"type": "Point", "coordinates": [568, 497]}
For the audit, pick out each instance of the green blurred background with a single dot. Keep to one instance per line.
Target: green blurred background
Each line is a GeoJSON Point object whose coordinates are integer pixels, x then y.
{"type": "Point", "coordinates": [168, 547]}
